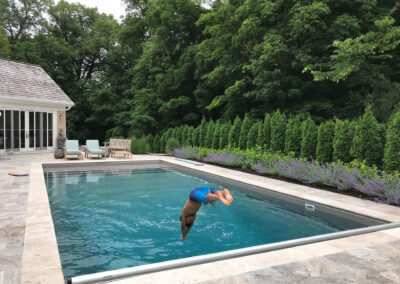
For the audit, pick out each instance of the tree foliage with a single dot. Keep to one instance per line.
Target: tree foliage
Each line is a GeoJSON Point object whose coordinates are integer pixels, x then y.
{"type": "Point", "coordinates": [343, 140]}
{"type": "Point", "coordinates": [367, 140]}
{"type": "Point", "coordinates": [278, 131]}
{"type": "Point", "coordinates": [309, 134]}
{"type": "Point", "coordinates": [392, 147]}
{"type": "Point", "coordinates": [324, 152]}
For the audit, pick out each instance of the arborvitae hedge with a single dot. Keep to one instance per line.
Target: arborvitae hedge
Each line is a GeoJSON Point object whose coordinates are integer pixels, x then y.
{"type": "Point", "coordinates": [266, 134]}
{"type": "Point", "coordinates": [289, 135]}
{"type": "Point", "coordinates": [278, 131]}
{"type": "Point", "coordinates": [325, 141]}
{"type": "Point", "coordinates": [156, 144]}
{"type": "Point", "coordinates": [209, 134]}
{"type": "Point", "coordinates": [253, 135]}
{"type": "Point", "coordinates": [223, 140]}
{"type": "Point", "coordinates": [150, 142]}
{"type": "Point", "coordinates": [367, 141]}
{"type": "Point", "coordinates": [309, 133]}
{"type": "Point", "coordinates": [196, 136]}
{"type": "Point", "coordinates": [293, 136]}
{"type": "Point", "coordinates": [260, 137]}
{"type": "Point", "coordinates": [234, 133]}
{"type": "Point", "coordinates": [189, 140]}
{"type": "Point", "coordinates": [244, 131]}
{"type": "Point", "coordinates": [216, 135]}
{"type": "Point", "coordinates": [185, 134]}
{"type": "Point", "coordinates": [202, 132]}
{"type": "Point", "coordinates": [163, 141]}
{"type": "Point", "coordinates": [392, 147]}
{"type": "Point", "coordinates": [342, 140]}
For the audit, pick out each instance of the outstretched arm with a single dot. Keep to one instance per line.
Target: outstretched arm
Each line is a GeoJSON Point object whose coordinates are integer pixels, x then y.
{"type": "Point", "coordinates": [183, 230]}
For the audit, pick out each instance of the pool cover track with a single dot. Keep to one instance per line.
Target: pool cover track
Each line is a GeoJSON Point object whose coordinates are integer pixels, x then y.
{"type": "Point", "coordinates": [44, 254]}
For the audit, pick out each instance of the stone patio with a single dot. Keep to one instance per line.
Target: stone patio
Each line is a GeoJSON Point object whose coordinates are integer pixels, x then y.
{"type": "Point", "coordinates": [368, 258]}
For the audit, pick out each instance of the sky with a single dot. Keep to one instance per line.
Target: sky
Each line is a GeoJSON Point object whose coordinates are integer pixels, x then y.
{"type": "Point", "coordinates": [114, 7]}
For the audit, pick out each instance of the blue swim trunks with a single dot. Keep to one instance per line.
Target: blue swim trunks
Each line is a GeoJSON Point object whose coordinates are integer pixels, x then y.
{"type": "Point", "coordinates": [199, 193]}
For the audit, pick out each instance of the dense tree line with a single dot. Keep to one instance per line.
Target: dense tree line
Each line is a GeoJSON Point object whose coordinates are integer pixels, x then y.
{"type": "Point", "coordinates": [170, 63]}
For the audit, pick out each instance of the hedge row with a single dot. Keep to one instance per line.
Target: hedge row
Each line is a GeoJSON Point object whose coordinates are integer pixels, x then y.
{"type": "Point", "coordinates": [339, 140]}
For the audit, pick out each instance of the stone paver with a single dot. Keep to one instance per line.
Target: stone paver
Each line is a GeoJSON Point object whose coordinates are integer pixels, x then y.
{"type": "Point", "coordinates": [373, 258]}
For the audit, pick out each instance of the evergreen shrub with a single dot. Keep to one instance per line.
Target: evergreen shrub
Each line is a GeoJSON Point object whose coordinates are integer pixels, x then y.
{"type": "Point", "coordinates": [309, 133]}
{"type": "Point", "coordinates": [278, 131]}
{"type": "Point", "coordinates": [234, 133]}
{"type": "Point", "coordinates": [367, 140]}
{"type": "Point", "coordinates": [342, 140]}
{"type": "Point", "coordinates": [171, 144]}
{"type": "Point", "coordinates": [325, 141]}
{"type": "Point", "coordinates": [244, 131]}
{"type": "Point", "coordinates": [253, 135]}
{"type": "Point", "coordinates": [216, 136]}
{"type": "Point", "coordinates": [392, 147]}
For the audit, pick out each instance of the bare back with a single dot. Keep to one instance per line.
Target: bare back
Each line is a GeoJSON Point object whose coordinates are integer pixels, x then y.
{"type": "Point", "coordinates": [190, 208]}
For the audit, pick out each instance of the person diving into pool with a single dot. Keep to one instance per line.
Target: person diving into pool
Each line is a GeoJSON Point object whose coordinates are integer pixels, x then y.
{"type": "Point", "coordinates": [198, 196]}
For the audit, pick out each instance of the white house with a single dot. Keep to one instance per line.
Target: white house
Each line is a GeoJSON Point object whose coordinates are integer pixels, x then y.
{"type": "Point", "coordinates": [32, 108]}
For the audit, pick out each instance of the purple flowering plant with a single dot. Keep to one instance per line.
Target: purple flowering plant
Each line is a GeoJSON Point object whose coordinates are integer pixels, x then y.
{"type": "Point", "coordinates": [369, 181]}
{"type": "Point", "coordinates": [60, 140]}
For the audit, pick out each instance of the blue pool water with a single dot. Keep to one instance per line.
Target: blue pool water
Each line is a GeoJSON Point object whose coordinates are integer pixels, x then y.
{"type": "Point", "coordinates": [106, 221]}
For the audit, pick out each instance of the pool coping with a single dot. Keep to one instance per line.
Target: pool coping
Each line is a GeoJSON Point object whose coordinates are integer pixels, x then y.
{"type": "Point", "coordinates": [41, 261]}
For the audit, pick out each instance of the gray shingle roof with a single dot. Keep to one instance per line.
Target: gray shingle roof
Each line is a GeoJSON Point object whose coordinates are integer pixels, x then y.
{"type": "Point", "coordinates": [29, 82]}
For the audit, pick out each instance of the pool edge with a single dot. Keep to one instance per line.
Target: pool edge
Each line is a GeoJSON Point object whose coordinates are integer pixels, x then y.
{"type": "Point", "coordinates": [54, 274]}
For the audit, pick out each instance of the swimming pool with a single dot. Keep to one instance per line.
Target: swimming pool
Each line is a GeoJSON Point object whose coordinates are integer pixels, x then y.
{"type": "Point", "coordinates": [112, 219]}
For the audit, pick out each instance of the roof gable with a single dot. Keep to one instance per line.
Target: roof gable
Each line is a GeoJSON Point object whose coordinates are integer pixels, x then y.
{"type": "Point", "coordinates": [29, 82]}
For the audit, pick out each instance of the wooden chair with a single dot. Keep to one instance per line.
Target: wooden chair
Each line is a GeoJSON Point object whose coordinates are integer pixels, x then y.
{"type": "Point", "coordinates": [120, 147]}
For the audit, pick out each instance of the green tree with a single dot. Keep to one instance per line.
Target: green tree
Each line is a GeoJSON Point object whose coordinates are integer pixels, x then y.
{"type": "Point", "coordinates": [224, 137]}
{"type": "Point", "coordinates": [367, 142]}
{"type": "Point", "coordinates": [196, 136]}
{"type": "Point", "coordinates": [209, 134]}
{"type": "Point", "coordinates": [234, 133]}
{"type": "Point", "coordinates": [265, 138]}
{"type": "Point", "coordinates": [4, 44]}
{"type": "Point", "coordinates": [342, 140]}
{"type": "Point", "coordinates": [22, 17]}
{"type": "Point", "coordinates": [309, 133]}
{"type": "Point", "coordinates": [392, 153]}
{"type": "Point", "coordinates": [216, 135]}
{"type": "Point", "coordinates": [163, 141]}
{"type": "Point", "coordinates": [246, 124]}
{"type": "Point", "coordinates": [278, 131]}
{"type": "Point", "coordinates": [189, 141]}
{"type": "Point", "coordinates": [326, 132]}
{"type": "Point", "coordinates": [156, 144]}
{"type": "Point", "coordinates": [293, 136]}
{"type": "Point", "coordinates": [203, 132]}
{"type": "Point", "coordinates": [253, 135]}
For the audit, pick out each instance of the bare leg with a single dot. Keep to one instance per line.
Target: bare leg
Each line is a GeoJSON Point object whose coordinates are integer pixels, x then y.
{"type": "Point", "coordinates": [218, 195]}
{"type": "Point", "coordinates": [228, 195]}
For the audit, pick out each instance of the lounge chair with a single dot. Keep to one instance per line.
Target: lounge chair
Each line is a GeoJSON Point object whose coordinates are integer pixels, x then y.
{"type": "Point", "coordinates": [72, 148]}
{"type": "Point", "coordinates": [93, 148]}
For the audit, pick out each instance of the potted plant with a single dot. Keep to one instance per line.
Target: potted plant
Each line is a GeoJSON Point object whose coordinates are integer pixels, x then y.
{"type": "Point", "coordinates": [59, 152]}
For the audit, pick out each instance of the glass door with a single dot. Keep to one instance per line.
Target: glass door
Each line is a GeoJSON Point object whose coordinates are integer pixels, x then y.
{"type": "Point", "coordinates": [23, 130]}
{"type": "Point", "coordinates": [31, 132]}
{"type": "Point", "coordinates": [8, 130]}
{"type": "Point", "coordinates": [38, 132]}
{"type": "Point", "coordinates": [16, 131]}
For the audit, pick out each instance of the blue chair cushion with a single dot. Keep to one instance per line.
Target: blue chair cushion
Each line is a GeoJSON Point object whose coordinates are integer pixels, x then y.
{"type": "Point", "coordinates": [73, 152]}
{"type": "Point", "coordinates": [96, 151]}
